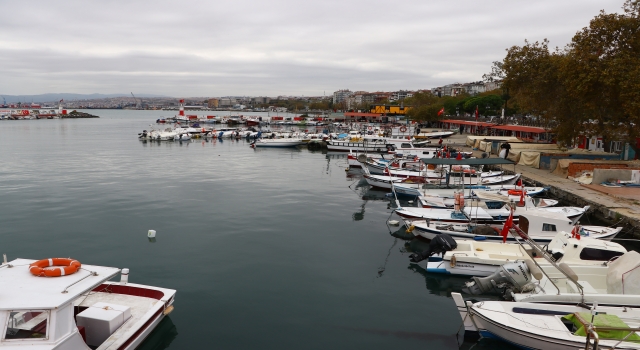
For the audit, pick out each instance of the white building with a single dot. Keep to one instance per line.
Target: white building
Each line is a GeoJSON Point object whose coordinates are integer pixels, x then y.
{"type": "Point", "coordinates": [341, 96]}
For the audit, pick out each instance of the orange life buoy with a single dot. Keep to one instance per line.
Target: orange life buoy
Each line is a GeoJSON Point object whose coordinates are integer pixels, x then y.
{"type": "Point", "coordinates": [54, 267]}
{"type": "Point", "coordinates": [370, 128]}
{"type": "Point", "coordinates": [515, 192]}
{"type": "Point", "coordinates": [403, 128]}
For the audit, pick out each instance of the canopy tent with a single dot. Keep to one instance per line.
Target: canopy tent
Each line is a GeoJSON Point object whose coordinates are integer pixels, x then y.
{"type": "Point", "coordinates": [474, 141]}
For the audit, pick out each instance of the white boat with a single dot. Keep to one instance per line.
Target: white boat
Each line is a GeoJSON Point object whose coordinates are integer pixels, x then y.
{"type": "Point", "coordinates": [279, 143]}
{"type": "Point", "coordinates": [434, 135]}
{"type": "Point", "coordinates": [358, 144]}
{"type": "Point", "coordinates": [539, 223]}
{"type": "Point", "coordinates": [493, 199]}
{"type": "Point", "coordinates": [81, 310]}
{"type": "Point", "coordinates": [481, 258]}
{"type": "Point", "coordinates": [551, 326]}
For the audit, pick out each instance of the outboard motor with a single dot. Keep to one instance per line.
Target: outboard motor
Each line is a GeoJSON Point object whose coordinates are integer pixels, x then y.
{"type": "Point", "coordinates": [440, 244]}
{"type": "Point", "coordinates": [220, 134]}
{"type": "Point", "coordinates": [511, 277]}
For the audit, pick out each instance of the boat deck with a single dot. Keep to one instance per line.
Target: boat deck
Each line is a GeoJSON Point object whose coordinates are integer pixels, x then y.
{"type": "Point", "coordinates": [140, 307]}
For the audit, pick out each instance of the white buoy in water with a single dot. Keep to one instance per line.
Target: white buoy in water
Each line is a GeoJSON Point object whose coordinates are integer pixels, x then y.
{"type": "Point", "coordinates": [394, 222]}
{"type": "Point", "coordinates": [151, 234]}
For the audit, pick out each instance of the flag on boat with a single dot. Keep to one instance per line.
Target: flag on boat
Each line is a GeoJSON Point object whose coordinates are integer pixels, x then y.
{"type": "Point", "coordinates": [507, 225]}
{"type": "Point", "coordinates": [575, 233]}
{"type": "Point", "coordinates": [519, 183]}
{"type": "Point", "coordinates": [440, 112]}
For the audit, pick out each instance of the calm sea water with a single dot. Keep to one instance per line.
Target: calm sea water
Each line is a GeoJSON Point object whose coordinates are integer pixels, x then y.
{"type": "Point", "coordinates": [267, 248]}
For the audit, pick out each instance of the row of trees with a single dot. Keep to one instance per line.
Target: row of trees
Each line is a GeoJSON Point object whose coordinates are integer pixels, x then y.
{"type": "Point", "coordinates": [427, 107]}
{"type": "Point", "coordinates": [589, 87]}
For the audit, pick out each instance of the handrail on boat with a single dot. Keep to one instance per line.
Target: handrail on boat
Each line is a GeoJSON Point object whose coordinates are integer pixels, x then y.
{"type": "Point", "coordinates": [545, 255]}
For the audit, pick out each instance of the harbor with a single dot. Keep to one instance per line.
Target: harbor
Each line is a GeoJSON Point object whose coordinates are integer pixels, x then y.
{"type": "Point", "coordinates": [311, 241]}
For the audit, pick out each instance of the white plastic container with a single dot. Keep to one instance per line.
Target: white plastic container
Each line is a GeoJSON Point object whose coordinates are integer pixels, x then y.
{"type": "Point", "coordinates": [101, 320]}
{"type": "Point", "coordinates": [151, 234]}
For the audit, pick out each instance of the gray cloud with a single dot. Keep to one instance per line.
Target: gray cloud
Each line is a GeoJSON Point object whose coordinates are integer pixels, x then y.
{"type": "Point", "coordinates": [195, 48]}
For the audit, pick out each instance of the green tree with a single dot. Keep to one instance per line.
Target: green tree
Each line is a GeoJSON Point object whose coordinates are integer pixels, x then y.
{"type": "Point", "coordinates": [425, 106]}
{"type": "Point", "coordinates": [591, 87]}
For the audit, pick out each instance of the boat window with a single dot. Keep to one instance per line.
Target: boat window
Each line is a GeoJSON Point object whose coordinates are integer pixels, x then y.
{"type": "Point", "coordinates": [598, 254]}
{"type": "Point", "coordinates": [523, 223]}
{"type": "Point", "coordinates": [406, 145]}
{"type": "Point", "coordinates": [548, 227]}
{"type": "Point", "coordinates": [30, 324]}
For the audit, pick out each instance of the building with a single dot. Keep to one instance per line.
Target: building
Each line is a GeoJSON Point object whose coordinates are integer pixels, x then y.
{"type": "Point", "coordinates": [400, 95]}
{"type": "Point", "coordinates": [390, 109]}
{"type": "Point", "coordinates": [475, 88]}
{"type": "Point", "coordinates": [212, 103]}
{"type": "Point", "coordinates": [341, 96]}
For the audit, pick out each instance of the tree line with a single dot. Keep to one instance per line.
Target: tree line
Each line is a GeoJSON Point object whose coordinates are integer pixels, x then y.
{"type": "Point", "coordinates": [590, 87]}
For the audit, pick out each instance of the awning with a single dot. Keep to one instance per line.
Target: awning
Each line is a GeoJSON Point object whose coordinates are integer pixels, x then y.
{"type": "Point", "coordinates": [465, 122]}
{"type": "Point", "coordinates": [468, 161]}
{"type": "Point", "coordinates": [531, 129]}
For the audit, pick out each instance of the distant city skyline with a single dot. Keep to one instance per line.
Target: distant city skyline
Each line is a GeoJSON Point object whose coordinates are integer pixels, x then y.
{"type": "Point", "coordinates": [280, 47]}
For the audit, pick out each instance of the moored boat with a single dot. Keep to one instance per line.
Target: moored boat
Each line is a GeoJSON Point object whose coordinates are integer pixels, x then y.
{"type": "Point", "coordinates": [79, 309]}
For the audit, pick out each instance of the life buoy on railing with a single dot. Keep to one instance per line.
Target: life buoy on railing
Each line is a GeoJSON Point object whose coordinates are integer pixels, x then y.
{"type": "Point", "coordinates": [370, 128]}
{"type": "Point", "coordinates": [403, 129]}
{"type": "Point", "coordinates": [54, 267]}
{"type": "Point", "coordinates": [514, 192]}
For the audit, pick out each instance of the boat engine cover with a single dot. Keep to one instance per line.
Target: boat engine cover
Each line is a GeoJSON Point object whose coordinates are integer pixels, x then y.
{"type": "Point", "coordinates": [515, 276]}
{"type": "Point", "coordinates": [440, 244]}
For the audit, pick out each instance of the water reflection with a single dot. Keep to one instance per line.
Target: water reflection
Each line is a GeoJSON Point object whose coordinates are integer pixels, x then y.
{"type": "Point", "coordinates": [161, 337]}
{"type": "Point", "coordinates": [440, 284]}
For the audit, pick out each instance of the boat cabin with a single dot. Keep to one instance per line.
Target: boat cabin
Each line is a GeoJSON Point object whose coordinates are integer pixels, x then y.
{"type": "Point", "coordinates": [82, 310]}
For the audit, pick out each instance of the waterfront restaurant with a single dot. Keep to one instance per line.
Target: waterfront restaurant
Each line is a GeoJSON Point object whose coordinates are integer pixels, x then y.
{"type": "Point", "coordinates": [525, 133]}
{"type": "Point", "coordinates": [470, 127]}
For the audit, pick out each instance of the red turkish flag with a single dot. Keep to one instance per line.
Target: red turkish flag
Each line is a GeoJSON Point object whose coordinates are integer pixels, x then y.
{"type": "Point", "coordinates": [505, 229]}
{"type": "Point", "coordinates": [441, 111]}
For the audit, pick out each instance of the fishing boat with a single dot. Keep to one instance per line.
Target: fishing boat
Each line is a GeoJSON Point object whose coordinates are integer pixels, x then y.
{"type": "Point", "coordinates": [277, 143]}
{"type": "Point", "coordinates": [548, 312]}
{"type": "Point", "coordinates": [485, 224]}
{"type": "Point", "coordinates": [76, 306]}
{"type": "Point", "coordinates": [434, 135]}
{"type": "Point", "coordinates": [552, 326]}
{"type": "Point", "coordinates": [358, 144]}
{"type": "Point", "coordinates": [482, 258]}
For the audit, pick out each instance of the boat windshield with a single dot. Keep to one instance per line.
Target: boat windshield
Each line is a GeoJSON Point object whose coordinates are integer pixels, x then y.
{"type": "Point", "coordinates": [29, 324]}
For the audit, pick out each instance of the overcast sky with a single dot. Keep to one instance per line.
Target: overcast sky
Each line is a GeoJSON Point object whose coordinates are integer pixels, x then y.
{"type": "Point", "coordinates": [276, 47]}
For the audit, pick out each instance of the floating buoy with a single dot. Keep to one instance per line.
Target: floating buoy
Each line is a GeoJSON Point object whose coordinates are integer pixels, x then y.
{"type": "Point", "coordinates": [151, 234]}
{"type": "Point", "coordinates": [394, 222]}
